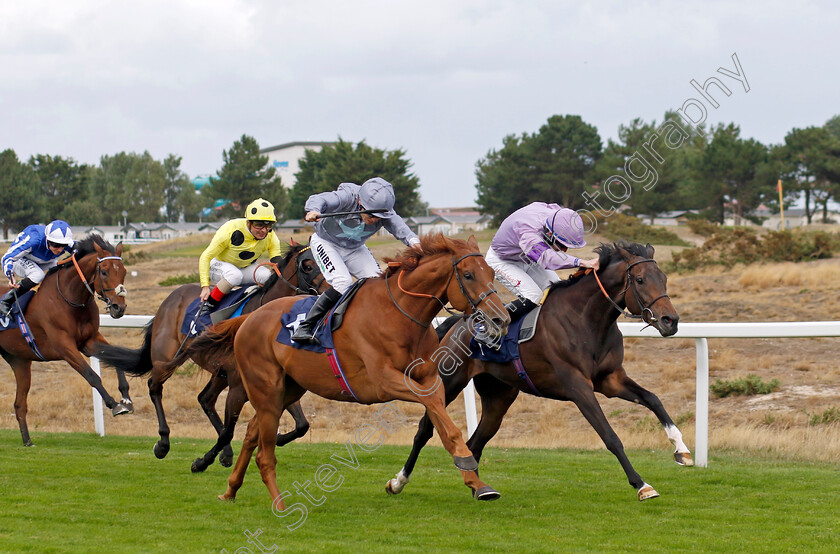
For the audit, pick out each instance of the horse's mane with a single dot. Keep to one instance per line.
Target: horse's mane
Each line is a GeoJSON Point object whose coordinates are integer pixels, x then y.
{"type": "Point", "coordinates": [287, 257]}
{"type": "Point", "coordinates": [607, 254]}
{"type": "Point", "coordinates": [433, 243]}
{"type": "Point", "coordinates": [86, 245]}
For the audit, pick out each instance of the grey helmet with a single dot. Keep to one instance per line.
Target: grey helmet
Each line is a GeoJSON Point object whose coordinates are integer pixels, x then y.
{"type": "Point", "coordinates": [378, 194]}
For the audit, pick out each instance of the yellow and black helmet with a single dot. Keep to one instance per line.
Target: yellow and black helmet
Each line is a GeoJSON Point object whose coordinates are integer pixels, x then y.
{"type": "Point", "coordinates": [260, 210]}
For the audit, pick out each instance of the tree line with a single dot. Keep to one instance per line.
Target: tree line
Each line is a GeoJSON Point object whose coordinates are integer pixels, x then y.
{"type": "Point", "coordinates": [657, 167]}
{"type": "Point", "coordinates": [652, 168]}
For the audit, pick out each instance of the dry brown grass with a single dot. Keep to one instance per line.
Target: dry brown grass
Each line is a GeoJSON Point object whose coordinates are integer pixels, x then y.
{"type": "Point", "coordinates": [777, 424]}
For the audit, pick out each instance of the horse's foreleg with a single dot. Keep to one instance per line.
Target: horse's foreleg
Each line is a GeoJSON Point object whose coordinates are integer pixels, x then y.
{"type": "Point", "coordinates": [631, 391]}
{"type": "Point", "coordinates": [429, 392]}
{"type": "Point", "coordinates": [125, 400]}
{"type": "Point", "coordinates": [581, 393]}
{"type": "Point", "coordinates": [301, 425]}
{"type": "Point", "coordinates": [238, 474]}
{"type": "Point", "coordinates": [23, 378]}
{"type": "Point", "coordinates": [496, 399]}
{"type": "Point", "coordinates": [73, 357]}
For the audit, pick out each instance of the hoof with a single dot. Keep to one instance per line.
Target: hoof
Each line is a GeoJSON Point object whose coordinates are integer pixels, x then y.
{"type": "Point", "coordinates": [466, 463]}
{"type": "Point", "coordinates": [226, 498]}
{"type": "Point", "coordinates": [121, 409]}
{"type": "Point", "coordinates": [128, 404]}
{"type": "Point", "coordinates": [647, 492]}
{"type": "Point", "coordinates": [161, 450]}
{"type": "Point", "coordinates": [683, 458]}
{"type": "Point", "coordinates": [28, 444]}
{"type": "Point", "coordinates": [198, 465]}
{"type": "Point", "coordinates": [486, 493]}
{"type": "Point", "coordinates": [226, 460]}
{"type": "Point", "coordinates": [397, 484]}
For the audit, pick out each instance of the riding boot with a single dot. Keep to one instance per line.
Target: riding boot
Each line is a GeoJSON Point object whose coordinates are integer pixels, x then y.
{"type": "Point", "coordinates": [520, 307]}
{"type": "Point", "coordinates": [304, 334]}
{"type": "Point", "coordinates": [8, 299]}
{"type": "Point", "coordinates": [207, 307]}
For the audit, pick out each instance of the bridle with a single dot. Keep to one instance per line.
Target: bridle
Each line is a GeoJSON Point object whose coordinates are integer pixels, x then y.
{"type": "Point", "coordinates": [473, 303]}
{"type": "Point", "coordinates": [309, 286]}
{"type": "Point", "coordinates": [91, 286]}
{"type": "Point", "coordinates": [647, 314]}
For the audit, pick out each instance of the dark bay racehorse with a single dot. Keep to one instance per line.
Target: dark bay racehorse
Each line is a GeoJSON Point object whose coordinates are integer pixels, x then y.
{"type": "Point", "coordinates": [64, 320]}
{"type": "Point", "coordinates": [384, 346]}
{"type": "Point", "coordinates": [577, 351]}
{"type": "Point", "coordinates": [163, 339]}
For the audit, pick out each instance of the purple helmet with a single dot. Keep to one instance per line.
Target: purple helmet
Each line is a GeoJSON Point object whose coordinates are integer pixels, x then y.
{"type": "Point", "coordinates": [566, 227]}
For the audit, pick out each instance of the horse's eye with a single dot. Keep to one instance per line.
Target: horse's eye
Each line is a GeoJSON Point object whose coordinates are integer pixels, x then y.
{"type": "Point", "coordinates": [640, 280]}
{"type": "Point", "coordinates": [468, 276]}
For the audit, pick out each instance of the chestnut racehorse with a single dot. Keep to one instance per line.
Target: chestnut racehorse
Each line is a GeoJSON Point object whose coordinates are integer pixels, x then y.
{"type": "Point", "coordinates": [577, 351]}
{"type": "Point", "coordinates": [384, 346]}
{"type": "Point", "coordinates": [63, 320]}
{"type": "Point", "coordinates": [298, 274]}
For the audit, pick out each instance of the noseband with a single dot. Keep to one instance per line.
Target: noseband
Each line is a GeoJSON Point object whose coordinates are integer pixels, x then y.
{"type": "Point", "coordinates": [473, 303]}
{"type": "Point", "coordinates": [647, 313]}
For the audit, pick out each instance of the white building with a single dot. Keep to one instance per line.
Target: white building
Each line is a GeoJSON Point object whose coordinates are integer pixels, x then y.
{"type": "Point", "coordinates": [285, 158]}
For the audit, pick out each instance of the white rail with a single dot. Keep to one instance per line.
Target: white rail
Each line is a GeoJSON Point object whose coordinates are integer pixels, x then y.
{"type": "Point", "coordinates": [698, 331]}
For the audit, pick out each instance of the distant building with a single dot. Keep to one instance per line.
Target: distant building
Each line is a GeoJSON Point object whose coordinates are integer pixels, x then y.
{"type": "Point", "coordinates": [285, 158]}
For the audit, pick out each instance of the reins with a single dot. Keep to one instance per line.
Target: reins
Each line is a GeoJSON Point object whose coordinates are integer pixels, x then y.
{"type": "Point", "coordinates": [90, 289]}
{"type": "Point", "coordinates": [312, 287]}
{"type": "Point", "coordinates": [474, 304]}
{"type": "Point", "coordinates": [646, 311]}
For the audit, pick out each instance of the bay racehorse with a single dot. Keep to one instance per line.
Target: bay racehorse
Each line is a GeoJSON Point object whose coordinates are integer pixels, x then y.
{"type": "Point", "coordinates": [63, 320]}
{"type": "Point", "coordinates": [163, 340]}
{"type": "Point", "coordinates": [384, 346]}
{"type": "Point", "coordinates": [577, 351]}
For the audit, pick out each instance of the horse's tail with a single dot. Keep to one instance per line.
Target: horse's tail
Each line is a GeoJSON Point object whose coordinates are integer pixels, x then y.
{"type": "Point", "coordinates": [447, 324]}
{"type": "Point", "coordinates": [213, 345]}
{"type": "Point", "coordinates": [134, 362]}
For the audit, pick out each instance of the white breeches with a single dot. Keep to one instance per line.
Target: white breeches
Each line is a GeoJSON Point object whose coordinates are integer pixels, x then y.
{"type": "Point", "coordinates": [238, 276]}
{"type": "Point", "coordinates": [523, 278]}
{"type": "Point", "coordinates": [24, 267]}
{"type": "Point", "coordinates": [339, 265]}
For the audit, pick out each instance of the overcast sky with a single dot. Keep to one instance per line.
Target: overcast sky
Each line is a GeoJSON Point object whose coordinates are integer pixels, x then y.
{"type": "Point", "coordinates": [443, 80]}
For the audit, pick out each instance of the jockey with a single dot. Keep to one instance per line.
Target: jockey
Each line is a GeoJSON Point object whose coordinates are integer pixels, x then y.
{"type": "Point", "coordinates": [530, 245]}
{"type": "Point", "coordinates": [339, 242]}
{"type": "Point", "coordinates": [229, 258]}
{"type": "Point", "coordinates": [34, 251]}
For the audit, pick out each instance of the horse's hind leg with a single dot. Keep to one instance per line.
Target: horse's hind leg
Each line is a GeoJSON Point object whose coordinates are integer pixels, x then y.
{"type": "Point", "coordinates": [23, 378]}
{"type": "Point", "coordinates": [233, 407]}
{"type": "Point", "coordinates": [207, 399]}
{"type": "Point", "coordinates": [301, 425]}
{"type": "Point", "coordinates": [581, 393]}
{"type": "Point", "coordinates": [620, 385]}
{"type": "Point", "coordinates": [160, 374]}
{"type": "Point", "coordinates": [125, 399]}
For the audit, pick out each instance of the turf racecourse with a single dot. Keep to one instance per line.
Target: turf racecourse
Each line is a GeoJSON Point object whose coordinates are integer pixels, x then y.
{"type": "Point", "coordinates": [82, 493]}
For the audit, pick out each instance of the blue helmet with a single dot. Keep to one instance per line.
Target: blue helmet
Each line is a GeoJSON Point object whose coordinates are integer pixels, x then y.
{"type": "Point", "coordinates": [566, 227]}
{"type": "Point", "coordinates": [59, 232]}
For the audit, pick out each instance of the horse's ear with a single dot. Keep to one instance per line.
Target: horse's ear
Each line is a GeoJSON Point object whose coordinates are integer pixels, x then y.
{"type": "Point", "coordinates": [293, 242]}
{"type": "Point", "coordinates": [473, 242]}
{"type": "Point", "coordinates": [625, 255]}
{"type": "Point", "coordinates": [99, 251]}
{"type": "Point", "coordinates": [118, 249]}
{"type": "Point", "coordinates": [649, 250]}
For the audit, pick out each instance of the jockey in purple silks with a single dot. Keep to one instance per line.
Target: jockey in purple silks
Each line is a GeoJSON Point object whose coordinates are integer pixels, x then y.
{"type": "Point", "coordinates": [530, 245]}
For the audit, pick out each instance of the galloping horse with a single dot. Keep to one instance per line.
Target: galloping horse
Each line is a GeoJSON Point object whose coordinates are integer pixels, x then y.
{"type": "Point", "coordinates": [577, 351]}
{"type": "Point", "coordinates": [64, 321]}
{"type": "Point", "coordinates": [163, 340]}
{"type": "Point", "coordinates": [384, 345]}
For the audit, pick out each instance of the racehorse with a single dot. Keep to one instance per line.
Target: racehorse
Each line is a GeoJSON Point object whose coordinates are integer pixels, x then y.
{"type": "Point", "coordinates": [163, 340]}
{"type": "Point", "coordinates": [577, 350]}
{"type": "Point", "coordinates": [384, 346]}
{"type": "Point", "coordinates": [64, 321]}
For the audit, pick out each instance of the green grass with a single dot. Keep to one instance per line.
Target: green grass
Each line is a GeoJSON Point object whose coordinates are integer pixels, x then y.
{"type": "Point", "coordinates": [180, 280]}
{"type": "Point", "coordinates": [744, 386]}
{"type": "Point", "coordinates": [82, 493]}
{"type": "Point", "coordinates": [184, 252]}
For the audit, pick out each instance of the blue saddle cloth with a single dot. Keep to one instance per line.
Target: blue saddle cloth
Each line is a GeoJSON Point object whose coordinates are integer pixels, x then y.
{"type": "Point", "coordinates": [507, 351]}
{"type": "Point", "coordinates": [7, 323]}
{"type": "Point", "coordinates": [294, 317]}
{"type": "Point", "coordinates": [187, 327]}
